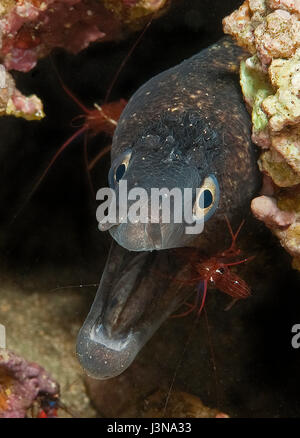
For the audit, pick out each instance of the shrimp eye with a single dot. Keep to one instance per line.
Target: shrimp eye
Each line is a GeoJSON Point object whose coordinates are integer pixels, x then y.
{"type": "Point", "coordinates": [207, 199]}
{"type": "Point", "coordinates": [119, 168]}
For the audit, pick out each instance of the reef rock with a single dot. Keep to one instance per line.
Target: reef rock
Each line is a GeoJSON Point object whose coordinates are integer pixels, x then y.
{"type": "Point", "coordinates": [265, 209]}
{"type": "Point", "coordinates": [21, 383]}
{"type": "Point", "coordinates": [143, 391]}
{"type": "Point", "coordinates": [270, 81]}
{"type": "Point", "coordinates": [30, 29]}
{"type": "Point", "coordinates": [13, 102]}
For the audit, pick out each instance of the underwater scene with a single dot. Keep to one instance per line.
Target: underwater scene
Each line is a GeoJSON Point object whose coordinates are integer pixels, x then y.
{"type": "Point", "coordinates": [150, 209]}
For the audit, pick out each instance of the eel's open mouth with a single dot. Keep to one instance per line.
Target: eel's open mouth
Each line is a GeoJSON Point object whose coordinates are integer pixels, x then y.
{"type": "Point", "coordinates": [133, 299]}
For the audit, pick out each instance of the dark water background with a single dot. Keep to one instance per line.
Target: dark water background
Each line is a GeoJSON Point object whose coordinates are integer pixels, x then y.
{"type": "Point", "coordinates": [57, 231]}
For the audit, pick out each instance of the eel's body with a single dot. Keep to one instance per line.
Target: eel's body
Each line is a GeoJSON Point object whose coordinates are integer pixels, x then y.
{"type": "Point", "coordinates": [186, 127]}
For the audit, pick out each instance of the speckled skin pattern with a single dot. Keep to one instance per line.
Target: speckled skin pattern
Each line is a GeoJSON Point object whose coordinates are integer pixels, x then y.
{"type": "Point", "coordinates": [183, 125]}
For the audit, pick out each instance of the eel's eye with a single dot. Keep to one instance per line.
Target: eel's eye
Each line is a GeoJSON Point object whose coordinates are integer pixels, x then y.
{"type": "Point", "coordinates": [207, 199]}
{"type": "Point", "coordinates": [118, 168]}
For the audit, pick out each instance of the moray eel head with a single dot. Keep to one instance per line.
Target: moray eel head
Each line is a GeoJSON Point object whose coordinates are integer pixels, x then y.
{"type": "Point", "coordinates": [161, 164]}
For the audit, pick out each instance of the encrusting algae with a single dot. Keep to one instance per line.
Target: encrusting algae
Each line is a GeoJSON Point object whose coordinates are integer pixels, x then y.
{"type": "Point", "coordinates": [31, 29]}
{"type": "Point", "coordinates": [270, 81]}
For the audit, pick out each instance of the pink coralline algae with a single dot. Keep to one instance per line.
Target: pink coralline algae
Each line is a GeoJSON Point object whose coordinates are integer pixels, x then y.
{"type": "Point", "coordinates": [266, 209]}
{"type": "Point", "coordinates": [13, 102]}
{"type": "Point", "coordinates": [267, 28]}
{"type": "Point", "coordinates": [30, 29]}
{"type": "Point", "coordinates": [21, 384]}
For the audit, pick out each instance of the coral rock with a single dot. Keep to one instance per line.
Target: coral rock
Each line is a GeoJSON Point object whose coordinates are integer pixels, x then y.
{"type": "Point", "coordinates": [283, 108]}
{"type": "Point", "coordinates": [274, 165]}
{"type": "Point", "coordinates": [265, 209]}
{"type": "Point", "coordinates": [21, 382]}
{"type": "Point", "coordinates": [13, 102]}
{"type": "Point", "coordinates": [239, 25]}
{"type": "Point", "coordinates": [30, 29]}
{"type": "Point", "coordinates": [270, 81]}
{"type": "Point", "coordinates": [180, 405]}
{"type": "Point", "coordinates": [290, 239]}
{"type": "Point", "coordinates": [288, 5]}
{"type": "Point", "coordinates": [287, 143]}
{"type": "Point", "coordinates": [277, 36]}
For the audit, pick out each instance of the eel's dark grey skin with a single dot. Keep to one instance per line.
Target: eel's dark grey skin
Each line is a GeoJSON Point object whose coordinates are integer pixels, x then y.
{"type": "Point", "coordinates": [182, 126]}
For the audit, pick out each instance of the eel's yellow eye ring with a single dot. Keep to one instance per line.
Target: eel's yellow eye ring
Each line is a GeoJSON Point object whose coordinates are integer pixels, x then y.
{"type": "Point", "coordinates": [207, 199]}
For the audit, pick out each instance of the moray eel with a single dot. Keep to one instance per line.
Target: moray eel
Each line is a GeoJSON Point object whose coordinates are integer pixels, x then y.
{"type": "Point", "coordinates": [186, 127]}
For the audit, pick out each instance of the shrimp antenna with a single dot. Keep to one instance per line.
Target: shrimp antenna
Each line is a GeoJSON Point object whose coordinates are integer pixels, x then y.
{"type": "Point", "coordinates": [52, 161]}
{"type": "Point", "coordinates": [86, 166]}
{"type": "Point", "coordinates": [125, 60]}
{"type": "Point", "coordinates": [74, 286]}
{"type": "Point", "coordinates": [213, 359]}
{"type": "Point", "coordinates": [179, 363]}
{"type": "Point", "coordinates": [68, 91]}
{"type": "Point", "coordinates": [234, 236]}
{"type": "Point", "coordinates": [189, 339]}
{"type": "Point", "coordinates": [84, 128]}
{"type": "Point", "coordinates": [98, 157]}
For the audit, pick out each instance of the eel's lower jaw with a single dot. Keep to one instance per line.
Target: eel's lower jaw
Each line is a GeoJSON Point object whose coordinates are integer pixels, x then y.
{"type": "Point", "coordinates": [128, 308]}
{"type": "Point", "coordinates": [104, 357]}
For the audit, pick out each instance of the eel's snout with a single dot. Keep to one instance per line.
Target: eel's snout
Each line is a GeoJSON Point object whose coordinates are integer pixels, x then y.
{"type": "Point", "coordinates": [128, 309]}
{"type": "Point", "coordinates": [138, 237]}
{"type": "Point", "coordinates": [151, 236]}
{"type": "Point", "coordinates": [101, 355]}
